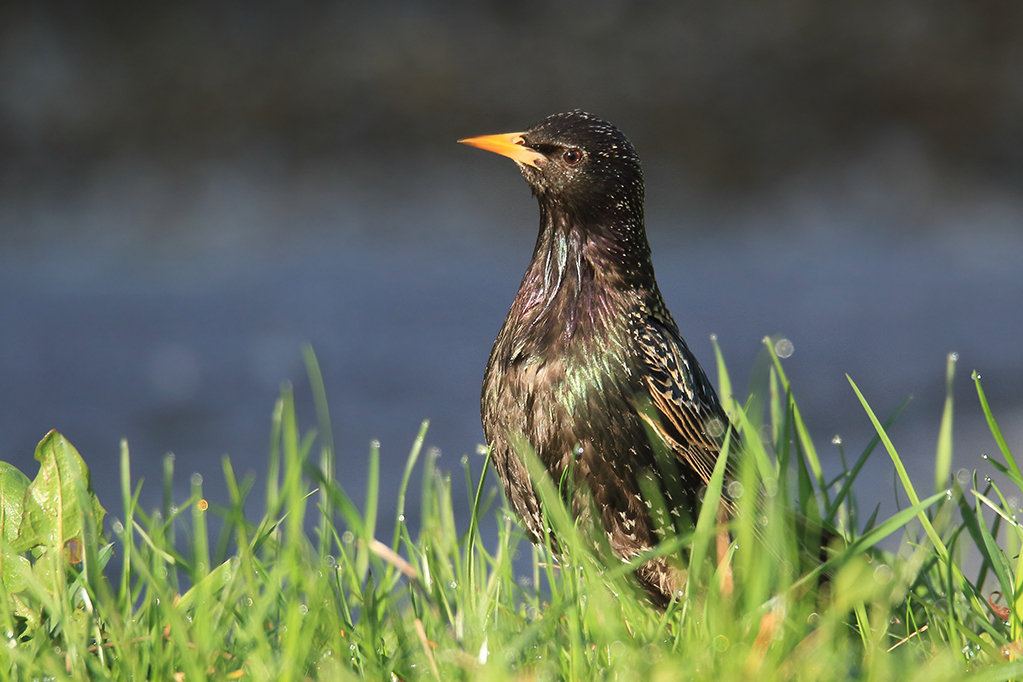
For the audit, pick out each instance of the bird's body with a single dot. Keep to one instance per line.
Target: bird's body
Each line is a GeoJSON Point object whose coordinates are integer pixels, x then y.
{"type": "Point", "coordinates": [589, 360]}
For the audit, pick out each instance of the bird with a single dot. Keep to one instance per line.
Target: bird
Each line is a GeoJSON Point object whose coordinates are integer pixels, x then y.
{"type": "Point", "coordinates": [589, 361]}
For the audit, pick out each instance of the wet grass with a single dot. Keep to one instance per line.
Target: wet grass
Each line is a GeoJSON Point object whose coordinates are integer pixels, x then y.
{"type": "Point", "coordinates": [315, 588]}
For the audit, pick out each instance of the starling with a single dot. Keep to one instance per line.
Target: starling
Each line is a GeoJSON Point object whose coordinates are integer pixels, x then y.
{"type": "Point", "coordinates": [589, 360]}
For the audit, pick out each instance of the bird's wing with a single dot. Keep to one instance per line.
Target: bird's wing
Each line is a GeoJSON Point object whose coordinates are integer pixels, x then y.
{"type": "Point", "coordinates": [685, 409]}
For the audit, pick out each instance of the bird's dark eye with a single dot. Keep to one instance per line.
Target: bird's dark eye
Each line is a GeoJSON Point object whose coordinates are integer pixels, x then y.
{"type": "Point", "coordinates": [572, 156]}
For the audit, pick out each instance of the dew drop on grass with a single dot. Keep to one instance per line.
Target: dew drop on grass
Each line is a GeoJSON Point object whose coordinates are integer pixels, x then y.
{"type": "Point", "coordinates": [401, 518]}
{"type": "Point", "coordinates": [452, 584]}
{"type": "Point", "coordinates": [465, 459]}
{"type": "Point", "coordinates": [348, 537]}
{"type": "Point", "coordinates": [118, 527]}
{"type": "Point", "coordinates": [735, 490]}
{"type": "Point", "coordinates": [303, 609]}
{"type": "Point", "coordinates": [196, 479]}
{"type": "Point", "coordinates": [883, 574]}
{"type": "Point", "coordinates": [963, 476]}
{"type": "Point", "coordinates": [783, 348]}
{"type": "Point", "coordinates": [813, 619]}
{"type": "Point", "coordinates": [374, 444]}
{"type": "Point", "coordinates": [481, 449]}
{"type": "Point", "coordinates": [836, 440]}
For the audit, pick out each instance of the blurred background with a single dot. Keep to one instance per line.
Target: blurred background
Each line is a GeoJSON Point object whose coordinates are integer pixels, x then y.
{"type": "Point", "coordinates": [189, 191]}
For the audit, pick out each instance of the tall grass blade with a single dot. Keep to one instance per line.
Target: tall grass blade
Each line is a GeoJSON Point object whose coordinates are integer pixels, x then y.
{"type": "Point", "coordinates": [853, 473]}
{"type": "Point", "coordinates": [406, 476]}
{"type": "Point", "coordinates": [327, 457]}
{"type": "Point", "coordinates": [943, 460]}
{"type": "Point", "coordinates": [907, 484]}
{"type": "Point", "coordinates": [996, 431]}
{"type": "Point", "coordinates": [803, 433]}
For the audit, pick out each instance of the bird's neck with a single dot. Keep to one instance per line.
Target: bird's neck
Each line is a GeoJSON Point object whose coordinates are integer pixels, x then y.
{"type": "Point", "coordinates": [584, 272]}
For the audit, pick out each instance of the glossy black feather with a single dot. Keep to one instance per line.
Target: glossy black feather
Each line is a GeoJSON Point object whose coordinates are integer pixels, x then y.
{"type": "Point", "coordinates": [589, 357]}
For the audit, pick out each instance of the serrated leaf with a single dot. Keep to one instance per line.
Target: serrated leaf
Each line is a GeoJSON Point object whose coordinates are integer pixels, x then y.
{"type": "Point", "coordinates": [53, 510]}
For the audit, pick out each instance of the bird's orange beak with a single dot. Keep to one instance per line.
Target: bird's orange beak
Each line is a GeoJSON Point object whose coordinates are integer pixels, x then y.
{"type": "Point", "coordinates": [507, 144]}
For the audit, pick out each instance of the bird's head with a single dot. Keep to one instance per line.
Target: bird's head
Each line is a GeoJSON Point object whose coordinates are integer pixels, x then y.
{"type": "Point", "coordinates": [576, 161]}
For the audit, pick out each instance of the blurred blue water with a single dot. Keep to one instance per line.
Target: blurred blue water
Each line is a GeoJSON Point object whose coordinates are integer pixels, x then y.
{"type": "Point", "coordinates": [171, 316]}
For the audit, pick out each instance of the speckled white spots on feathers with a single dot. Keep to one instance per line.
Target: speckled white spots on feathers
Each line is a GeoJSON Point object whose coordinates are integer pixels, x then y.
{"type": "Point", "coordinates": [589, 356]}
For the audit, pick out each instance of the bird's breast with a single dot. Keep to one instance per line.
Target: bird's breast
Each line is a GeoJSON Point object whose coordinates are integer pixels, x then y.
{"type": "Point", "coordinates": [552, 385]}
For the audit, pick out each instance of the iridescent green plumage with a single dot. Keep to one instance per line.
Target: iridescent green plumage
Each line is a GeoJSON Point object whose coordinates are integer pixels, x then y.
{"type": "Point", "coordinates": [589, 358]}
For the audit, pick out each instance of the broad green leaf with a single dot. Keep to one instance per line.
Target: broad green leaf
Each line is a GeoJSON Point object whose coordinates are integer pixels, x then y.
{"type": "Point", "coordinates": [53, 510]}
{"type": "Point", "coordinates": [13, 484]}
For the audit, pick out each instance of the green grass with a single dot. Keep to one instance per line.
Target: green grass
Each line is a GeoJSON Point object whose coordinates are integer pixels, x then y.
{"type": "Point", "coordinates": [315, 588]}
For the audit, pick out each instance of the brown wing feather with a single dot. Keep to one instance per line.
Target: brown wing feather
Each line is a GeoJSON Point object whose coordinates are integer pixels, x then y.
{"type": "Point", "coordinates": [687, 415]}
